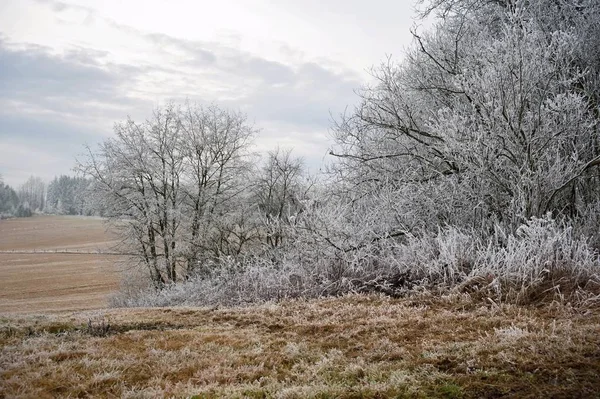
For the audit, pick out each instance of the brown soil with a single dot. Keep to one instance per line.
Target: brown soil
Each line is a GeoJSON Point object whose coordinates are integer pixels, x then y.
{"type": "Point", "coordinates": [47, 282]}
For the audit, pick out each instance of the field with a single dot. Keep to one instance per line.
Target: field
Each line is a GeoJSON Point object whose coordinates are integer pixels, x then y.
{"type": "Point", "coordinates": [36, 279]}
{"type": "Point", "coordinates": [58, 339]}
{"type": "Point", "coordinates": [348, 347]}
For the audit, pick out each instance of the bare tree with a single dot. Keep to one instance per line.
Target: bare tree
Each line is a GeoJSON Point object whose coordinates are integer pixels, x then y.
{"type": "Point", "coordinates": [32, 194]}
{"type": "Point", "coordinates": [492, 117]}
{"type": "Point", "coordinates": [166, 182]}
{"type": "Point", "coordinates": [67, 195]}
{"type": "Point", "coordinates": [279, 191]}
{"type": "Point", "coordinates": [216, 159]}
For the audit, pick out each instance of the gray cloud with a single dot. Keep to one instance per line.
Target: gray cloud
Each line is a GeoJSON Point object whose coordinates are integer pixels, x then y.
{"type": "Point", "coordinates": [269, 72]}
{"type": "Point", "coordinates": [38, 146]}
{"type": "Point", "coordinates": [73, 87]}
{"type": "Point", "coordinates": [306, 100]}
{"type": "Point", "coordinates": [51, 105]}
{"type": "Point", "coordinates": [33, 72]}
{"type": "Point", "coordinates": [302, 94]}
{"type": "Point", "coordinates": [55, 103]}
{"type": "Point", "coordinates": [62, 84]}
{"type": "Point", "coordinates": [296, 94]}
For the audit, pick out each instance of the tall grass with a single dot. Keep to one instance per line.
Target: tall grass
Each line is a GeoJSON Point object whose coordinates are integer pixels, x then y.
{"type": "Point", "coordinates": [542, 261]}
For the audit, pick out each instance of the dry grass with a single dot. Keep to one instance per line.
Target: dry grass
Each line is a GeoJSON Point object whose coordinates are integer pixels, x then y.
{"type": "Point", "coordinates": [349, 347]}
{"type": "Point", "coordinates": [44, 282]}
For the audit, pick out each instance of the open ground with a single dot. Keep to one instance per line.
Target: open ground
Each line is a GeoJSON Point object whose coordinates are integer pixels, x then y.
{"type": "Point", "coordinates": [349, 347]}
{"type": "Point", "coordinates": [55, 263]}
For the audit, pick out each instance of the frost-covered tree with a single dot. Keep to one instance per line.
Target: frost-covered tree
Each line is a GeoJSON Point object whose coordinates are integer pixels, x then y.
{"type": "Point", "coordinates": [68, 196]}
{"type": "Point", "coordinates": [216, 163]}
{"type": "Point", "coordinates": [491, 118]}
{"type": "Point", "coordinates": [170, 183]}
{"type": "Point", "coordinates": [279, 192]}
{"type": "Point", "coordinates": [9, 200]}
{"type": "Point", "coordinates": [473, 165]}
{"type": "Point", "coordinates": [32, 194]}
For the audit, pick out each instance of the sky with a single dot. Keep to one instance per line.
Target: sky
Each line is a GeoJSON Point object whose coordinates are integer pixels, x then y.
{"type": "Point", "coordinates": [70, 70]}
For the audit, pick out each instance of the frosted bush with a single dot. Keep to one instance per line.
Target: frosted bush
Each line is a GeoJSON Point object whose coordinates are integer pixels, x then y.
{"type": "Point", "coordinates": [542, 260]}
{"type": "Point", "coordinates": [443, 259]}
{"type": "Point", "coordinates": [229, 287]}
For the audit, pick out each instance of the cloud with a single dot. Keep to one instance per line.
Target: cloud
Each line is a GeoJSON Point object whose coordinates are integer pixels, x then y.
{"type": "Point", "coordinates": [307, 100]}
{"type": "Point", "coordinates": [53, 104]}
{"type": "Point", "coordinates": [300, 94]}
{"type": "Point", "coordinates": [77, 84]}
{"type": "Point", "coordinates": [44, 144]}
{"type": "Point", "coordinates": [200, 56]}
{"type": "Point", "coordinates": [53, 101]}
{"type": "Point", "coordinates": [33, 72]}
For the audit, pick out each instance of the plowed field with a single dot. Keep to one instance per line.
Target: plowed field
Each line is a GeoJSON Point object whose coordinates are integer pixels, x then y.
{"type": "Point", "coordinates": [59, 263]}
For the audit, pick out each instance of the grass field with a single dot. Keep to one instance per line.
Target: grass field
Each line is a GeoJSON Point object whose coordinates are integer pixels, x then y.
{"type": "Point", "coordinates": [57, 339]}
{"type": "Point", "coordinates": [349, 347]}
{"type": "Point", "coordinates": [36, 280]}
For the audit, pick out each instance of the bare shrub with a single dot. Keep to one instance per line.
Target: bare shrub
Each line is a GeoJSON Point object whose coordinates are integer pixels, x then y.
{"type": "Point", "coordinates": [588, 224]}
{"type": "Point", "coordinates": [542, 260]}
{"type": "Point", "coordinates": [237, 286]}
{"type": "Point", "coordinates": [99, 327]}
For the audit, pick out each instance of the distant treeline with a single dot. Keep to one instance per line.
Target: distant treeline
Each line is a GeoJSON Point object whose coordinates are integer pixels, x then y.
{"type": "Point", "coordinates": [64, 195]}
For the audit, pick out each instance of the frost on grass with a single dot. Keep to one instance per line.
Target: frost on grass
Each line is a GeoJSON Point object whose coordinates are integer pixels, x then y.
{"type": "Point", "coordinates": [543, 261]}
{"type": "Point", "coordinates": [372, 346]}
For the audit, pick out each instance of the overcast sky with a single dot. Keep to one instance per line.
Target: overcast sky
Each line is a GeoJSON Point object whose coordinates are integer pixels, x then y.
{"type": "Point", "coordinates": [70, 70]}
